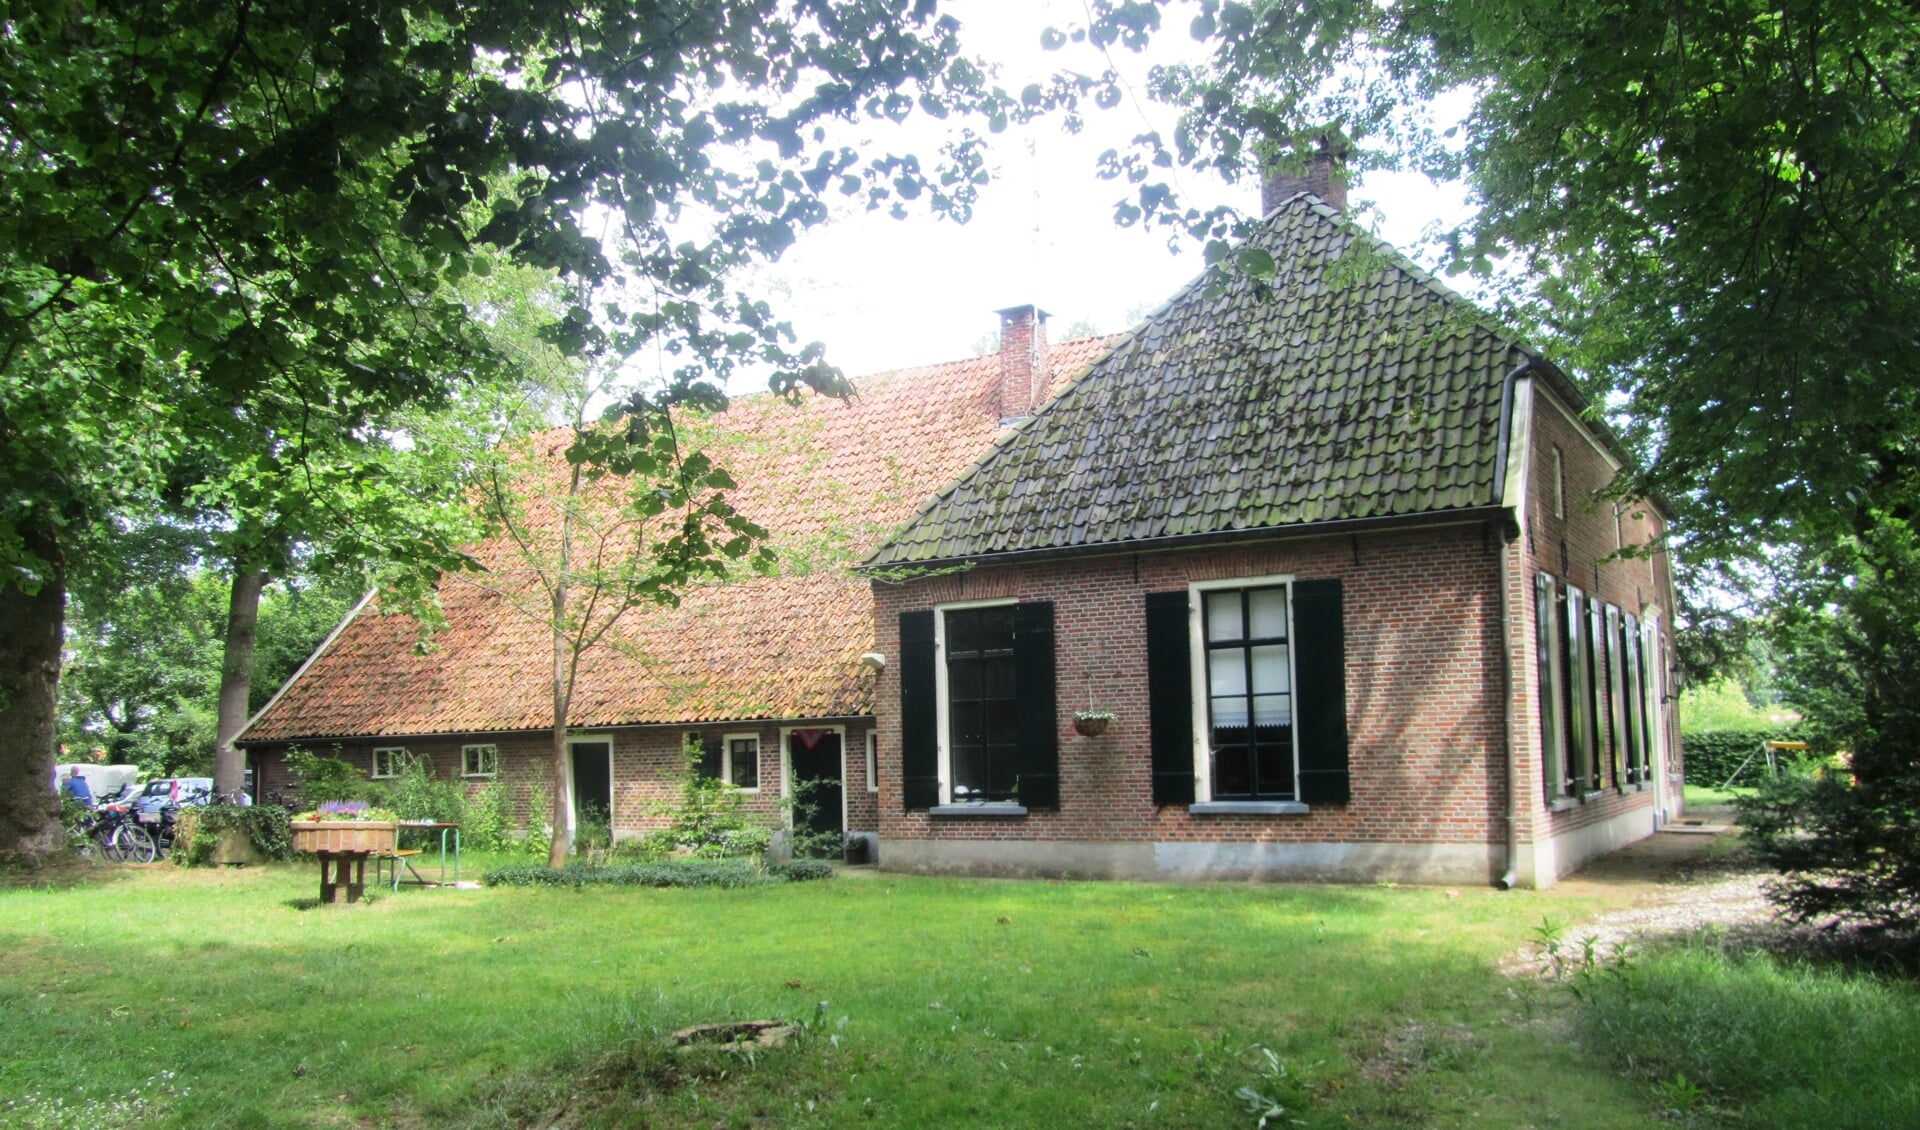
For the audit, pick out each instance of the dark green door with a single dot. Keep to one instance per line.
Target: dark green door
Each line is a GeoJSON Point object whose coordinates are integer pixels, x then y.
{"type": "Point", "coordinates": [819, 793]}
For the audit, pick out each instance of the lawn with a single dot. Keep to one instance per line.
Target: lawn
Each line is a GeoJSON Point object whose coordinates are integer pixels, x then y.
{"type": "Point", "coordinates": [158, 996]}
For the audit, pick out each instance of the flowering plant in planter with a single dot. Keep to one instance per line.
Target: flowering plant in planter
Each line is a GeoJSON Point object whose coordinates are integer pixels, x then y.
{"type": "Point", "coordinates": [355, 810]}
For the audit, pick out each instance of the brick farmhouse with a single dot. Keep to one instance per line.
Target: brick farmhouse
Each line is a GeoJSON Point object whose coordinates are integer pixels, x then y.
{"type": "Point", "coordinates": [1333, 553]}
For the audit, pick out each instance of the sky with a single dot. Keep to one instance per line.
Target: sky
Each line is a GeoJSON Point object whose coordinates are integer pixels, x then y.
{"type": "Point", "coordinates": [886, 294]}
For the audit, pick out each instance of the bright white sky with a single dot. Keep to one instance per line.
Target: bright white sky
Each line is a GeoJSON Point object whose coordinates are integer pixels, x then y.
{"type": "Point", "coordinates": [884, 294]}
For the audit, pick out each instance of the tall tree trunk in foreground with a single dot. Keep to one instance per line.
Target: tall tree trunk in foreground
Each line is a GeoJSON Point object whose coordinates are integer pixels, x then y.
{"type": "Point", "coordinates": [30, 640]}
{"type": "Point", "coordinates": [236, 678]}
{"type": "Point", "coordinates": [562, 779]}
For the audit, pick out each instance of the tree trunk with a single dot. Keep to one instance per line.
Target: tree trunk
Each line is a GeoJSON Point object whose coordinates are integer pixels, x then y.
{"type": "Point", "coordinates": [562, 777]}
{"type": "Point", "coordinates": [31, 631]}
{"type": "Point", "coordinates": [236, 679]}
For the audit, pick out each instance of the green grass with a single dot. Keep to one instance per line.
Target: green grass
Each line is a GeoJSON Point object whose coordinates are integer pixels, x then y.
{"type": "Point", "coordinates": [1705, 795]}
{"type": "Point", "coordinates": [1768, 1042]}
{"type": "Point", "coordinates": [225, 999]}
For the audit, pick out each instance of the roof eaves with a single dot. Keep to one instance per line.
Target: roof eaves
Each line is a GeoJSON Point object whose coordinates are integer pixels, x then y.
{"type": "Point", "coordinates": [1331, 527]}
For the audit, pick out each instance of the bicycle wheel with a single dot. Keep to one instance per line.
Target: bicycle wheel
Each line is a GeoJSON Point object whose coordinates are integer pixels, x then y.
{"type": "Point", "coordinates": [134, 844]}
{"type": "Point", "coordinates": [109, 842]}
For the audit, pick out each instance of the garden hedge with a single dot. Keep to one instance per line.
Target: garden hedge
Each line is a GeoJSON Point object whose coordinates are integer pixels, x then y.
{"type": "Point", "coordinates": [1712, 757]}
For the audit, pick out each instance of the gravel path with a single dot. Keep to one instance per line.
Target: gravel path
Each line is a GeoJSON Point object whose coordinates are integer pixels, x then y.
{"type": "Point", "coordinates": [1695, 879]}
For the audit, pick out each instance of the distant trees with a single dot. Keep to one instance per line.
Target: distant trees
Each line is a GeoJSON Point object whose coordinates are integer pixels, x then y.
{"type": "Point", "coordinates": [234, 233]}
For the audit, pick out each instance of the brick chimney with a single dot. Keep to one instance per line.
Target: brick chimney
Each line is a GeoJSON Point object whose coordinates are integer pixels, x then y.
{"type": "Point", "coordinates": [1325, 177]}
{"type": "Point", "coordinates": [1024, 372]}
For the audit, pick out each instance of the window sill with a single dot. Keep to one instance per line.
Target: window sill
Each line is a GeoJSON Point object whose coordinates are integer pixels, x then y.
{"type": "Point", "coordinates": [998, 809]}
{"type": "Point", "coordinates": [1586, 798]}
{"type": "Point", "coordinates": [478, 776]}
{"type": "Point", "coordinates": [1249, 808]}
{"type": "Point", "coordinates": [1564, 804]}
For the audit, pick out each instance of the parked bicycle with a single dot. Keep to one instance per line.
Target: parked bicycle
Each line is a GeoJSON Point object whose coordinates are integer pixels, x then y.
{"type": "Point", "coordinates": [111, 830]}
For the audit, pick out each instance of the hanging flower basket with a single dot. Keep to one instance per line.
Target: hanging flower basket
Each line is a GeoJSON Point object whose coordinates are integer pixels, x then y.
{"type": "Point", "coordinates": [1092, 723]}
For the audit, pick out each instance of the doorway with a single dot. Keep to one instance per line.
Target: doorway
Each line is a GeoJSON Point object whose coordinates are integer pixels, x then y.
{"type": "Point", "coordinates": [592, 772]}
{"type": "Point", "coordinates": [816, 778]}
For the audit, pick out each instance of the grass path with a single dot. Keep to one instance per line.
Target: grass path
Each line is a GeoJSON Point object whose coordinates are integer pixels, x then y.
{"type": "Point", "coordinates": [223, 1002]}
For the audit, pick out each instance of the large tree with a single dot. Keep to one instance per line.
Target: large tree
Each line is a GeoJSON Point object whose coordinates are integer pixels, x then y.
{"type": "Point", "coordinates": [1709, 210]}
{"type": "Point", "coordinates": [218, 203]}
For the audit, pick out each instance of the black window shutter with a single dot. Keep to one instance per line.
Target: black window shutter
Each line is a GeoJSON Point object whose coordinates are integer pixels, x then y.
{"type": "Point", "coordinates": [1038, 724]}
{"type": "Point", "coordinates": [919, 717]}
{"type": "Point", "coordinates": [710, 757]}
{"type": "Point", "coordinates": [1170, 697]}
{"type": "Point", "coordinates": [1320, 691]}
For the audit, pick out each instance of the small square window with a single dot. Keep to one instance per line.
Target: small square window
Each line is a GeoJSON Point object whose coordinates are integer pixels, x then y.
{"type": "Point", "coordinates": [387, 763]}
{"type": "Point", "coordinates": [479, 760]}
{"type": "Point", "coordinates": [873, 761]}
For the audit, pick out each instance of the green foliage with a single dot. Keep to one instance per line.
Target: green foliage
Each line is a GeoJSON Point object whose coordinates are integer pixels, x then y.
{"type": "Point", "coordinates": [1713, 756]}
{"type": "Point", "coordinates": [806, 841]}
{"type": "Point", "coordinates": [660, 873]}
{"type": "Point", "coordinates": [1719, 705]}
{"type": "Point", "coordinates": [322, 779]}
{"type": "Point", "coordinates": [1771, 1043]}
{"type": "Point", "coordinates": [489, 818]}
{"type": "Point", "coordinates": [1849, 847]}
{"type": "Point", "coordinates": [416, 794]}
{"type": "Point", "coordinates": [539, 828]}
{"type": "Point", "coordinates": [709, 818]}
{"type": "Point", "coordinates": [198, 832]}
{"type": "Point", "coordinates": [801, 870]}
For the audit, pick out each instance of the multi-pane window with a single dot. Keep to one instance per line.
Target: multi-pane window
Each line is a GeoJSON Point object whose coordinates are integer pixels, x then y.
{"type": "Point", "coordinates": [1249, 693]}
{"type": "Point", "coordinates": [742, 768]}
{"type": "Point", "coordinates": [983, 718]}
{"type": "Point", "coordinates": [479, 760]}
{"type": "Point", "coordinates": [388, 762]}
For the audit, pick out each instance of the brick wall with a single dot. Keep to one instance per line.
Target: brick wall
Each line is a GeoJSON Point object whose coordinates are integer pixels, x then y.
{"type": "Point", "coordinates": [646, 762]}
{"type": "Point", "coordinates": [1581, 544]}
{"type": "Point", "coordinates": [1424, 685]}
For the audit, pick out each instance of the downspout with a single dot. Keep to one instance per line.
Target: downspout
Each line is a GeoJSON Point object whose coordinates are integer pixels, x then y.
{"type": "Point", "coordinates": [1504, 453]}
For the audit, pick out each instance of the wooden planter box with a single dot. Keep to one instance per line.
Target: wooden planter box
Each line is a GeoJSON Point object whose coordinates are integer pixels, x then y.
{"type": "Point", "coordinates": [344, 835]}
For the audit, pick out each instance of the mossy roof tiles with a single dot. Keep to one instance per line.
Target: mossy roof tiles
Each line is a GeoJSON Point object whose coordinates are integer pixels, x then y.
{"type": "Point", "coordinates": [1354, 386]}
{"type": "Point", "coordinates": [828, 478]}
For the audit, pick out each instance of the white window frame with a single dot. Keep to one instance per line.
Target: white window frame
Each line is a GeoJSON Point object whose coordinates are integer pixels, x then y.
{"type": "Point", "coordinates": [943, 716]}
{"type": "Point", "coordinates": [726, 759]}
{"type": "Point", "coordinates": [397, 760]}
{"type": "Point", "coordinates": [1197, 676]}
{"type": "Point", "coordinates": [873, 761]}
{"type": "Point", "coordinates": [483, 771]}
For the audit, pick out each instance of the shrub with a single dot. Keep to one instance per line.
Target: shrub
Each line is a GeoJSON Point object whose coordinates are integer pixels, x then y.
{"type": "Point", "coordinates": [198, 833]}
{"type": "Point", "coordinates": [539, 838]}
{"type": "Point", "coordinates": [489, 818]}
{"type": "Point", "coordinates": [801, 870]}
{"type": "Point", "coordinates": [329, 778]}
{"type": "Point", "coordinates": [661, 873]}
{"type": "Point", "coordinates": [709, 819]}
{"type": "Point", "coordinates": [419, 795]}
{"type": "Point", "coordinates": [1711, 757]}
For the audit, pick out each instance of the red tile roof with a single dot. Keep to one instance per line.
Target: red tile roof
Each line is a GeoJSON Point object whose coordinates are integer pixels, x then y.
{"type": "Point", "coordinates": [829, 479]}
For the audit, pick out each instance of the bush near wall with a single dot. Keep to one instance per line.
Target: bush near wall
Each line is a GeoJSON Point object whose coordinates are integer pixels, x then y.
{"type": "Point", "coordinates": [1713, 756]}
